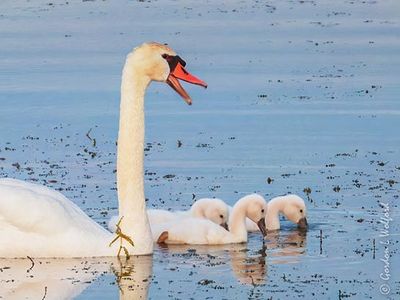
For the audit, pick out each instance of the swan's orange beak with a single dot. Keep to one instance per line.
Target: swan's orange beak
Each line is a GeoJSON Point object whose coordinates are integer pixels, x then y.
{"type": "Point", "coordinates": [179, 72]}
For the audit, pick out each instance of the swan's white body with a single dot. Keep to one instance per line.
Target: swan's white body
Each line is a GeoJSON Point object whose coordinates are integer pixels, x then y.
{"type": "Point", "coordinates": [202, 231]}
{"type": "Point", "coordinates": [212, 209]}
{"type": "Point", "coordinates": [250, 225]}
{"type": "Point", "coordinates": [38, 222]}
{"type": "Point", "coordinates": [288, 205]}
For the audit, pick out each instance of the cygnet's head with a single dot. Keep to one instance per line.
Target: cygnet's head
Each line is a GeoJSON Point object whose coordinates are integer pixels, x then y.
{"type": "Point", "coordinates": [256, 210]}
{"type": "Point", "coordinates": [159, 62]}
{"type": "Point", "coordinates": [294, 209]}
{"type": "Point", "coordinates": [215, 210]}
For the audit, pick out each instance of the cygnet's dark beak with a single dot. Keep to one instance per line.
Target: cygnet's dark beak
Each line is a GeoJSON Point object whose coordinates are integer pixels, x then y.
{"type": "Point", "coordinates": [261, 226]}
{"type": "Point", "coordinates": [302, 223]}
{"type": "Point", "coordinates": [225, 225]}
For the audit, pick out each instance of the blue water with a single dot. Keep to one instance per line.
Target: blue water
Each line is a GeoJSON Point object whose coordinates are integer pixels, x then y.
{"type": "Point", "coordinates": [303, 92]}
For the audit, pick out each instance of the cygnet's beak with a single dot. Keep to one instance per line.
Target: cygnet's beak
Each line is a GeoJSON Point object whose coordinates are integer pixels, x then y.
{"type": "Point", "coordinates": [225, 225]}
{"type": "Point", "coordinates": [262, 227]}
{"type": "Point", "coordinates": [178, 71]}
{"type": "Point", "coordinates": [302, 223]}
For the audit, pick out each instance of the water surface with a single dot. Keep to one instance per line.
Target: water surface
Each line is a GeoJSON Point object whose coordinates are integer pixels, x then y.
{"type": "Point", "coordinates": [302, 92]}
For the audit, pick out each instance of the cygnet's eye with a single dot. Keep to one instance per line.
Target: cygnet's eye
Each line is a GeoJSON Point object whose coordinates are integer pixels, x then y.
{"type": "Point", "coordinates": [301, 210]}
{"type": "Point", "coordinates": [262, 211]}
{"type": "Point", "coordinates": [221, 216]}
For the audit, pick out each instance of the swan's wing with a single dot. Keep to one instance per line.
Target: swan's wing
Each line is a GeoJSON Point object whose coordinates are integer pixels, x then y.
{"type": "Point", "coordinates": [35, 208]}
{"type": "Point", "coordinates": [182, 231]}
{"type": "Point", "coordinates": [183, 214]}
{"type": "Point", "coordinates": [40, 222]}
{"type": "Point", "coordinates": [194, 231]}
{"type": "Point", "coordinates": [158, 216]}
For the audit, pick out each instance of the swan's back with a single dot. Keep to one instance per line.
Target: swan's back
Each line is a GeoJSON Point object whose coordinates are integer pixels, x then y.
{"type": "Point", "coordinates": [43, 205]}
{"type": "Point", "coordinates": [40, 222]}
{"type": "Point", "coordinates": [157, 216]}
{"type": "Point", "coordinates": [205, 208]}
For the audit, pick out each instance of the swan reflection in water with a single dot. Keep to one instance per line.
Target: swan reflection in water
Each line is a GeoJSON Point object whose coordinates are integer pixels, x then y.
{"type": "Point", "coordinates": [67, 278]}
{"type": "Point", "coordinates": [280, 247]}
{"type": "Point", "coordinates": [286, 247]}
{"type": "Point", "coordinates": [249, 261]}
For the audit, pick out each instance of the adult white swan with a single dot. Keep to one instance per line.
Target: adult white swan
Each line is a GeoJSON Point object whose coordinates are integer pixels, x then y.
{"type": "Point", "coordinates": [213, 209]}
{"type": "Point", "coordinates": [39, 222]}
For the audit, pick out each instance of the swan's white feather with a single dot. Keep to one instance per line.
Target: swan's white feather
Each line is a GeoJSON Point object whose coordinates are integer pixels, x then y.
{"type": "Point", "coordinates": [156, 216]}
{"type": "Point", "coordinates": [250, 225]}
{"type": "Point", "coordinates": [272, 219]}
{"type": "Point", "coordinates": [193, 231]}
{"type": "Point", "coordinates": [39, 222]}
{"type": "Point", "coordinates": [205, 208]}
{"type": "Point", "coordinates": [202, 231]}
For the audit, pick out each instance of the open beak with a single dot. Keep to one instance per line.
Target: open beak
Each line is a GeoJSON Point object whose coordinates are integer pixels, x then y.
{"type": "Point", "coordinates": [261, 226]}
{"type": "Point", "coordinates": [302, 223]}
{"type": "Point", "coordinates": [225, 225]}
{"type": "Point", "coordinates": [179, 72]}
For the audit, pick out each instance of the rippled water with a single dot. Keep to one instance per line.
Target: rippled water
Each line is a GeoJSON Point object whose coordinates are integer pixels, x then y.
{"type": "Point", "coordinates": [303, 92]}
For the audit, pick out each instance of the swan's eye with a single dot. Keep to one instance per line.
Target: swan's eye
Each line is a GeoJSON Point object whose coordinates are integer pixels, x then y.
{"type": "Point", "coordinates": [221, 216]}
{"type": "Point", "coordinates": [301, 210]}
{"type": "Point", "coordinates": [173, 61]}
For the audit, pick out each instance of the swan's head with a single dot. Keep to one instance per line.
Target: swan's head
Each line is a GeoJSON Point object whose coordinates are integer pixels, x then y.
{"type": "Point", "coordinates": [256, 210]}
{"type": "Point", "coordinates": [214, 210]}
{"type": "Point", "coordinates": [159, 62]}
{"type": "Point", "coordinates": [295, 210]}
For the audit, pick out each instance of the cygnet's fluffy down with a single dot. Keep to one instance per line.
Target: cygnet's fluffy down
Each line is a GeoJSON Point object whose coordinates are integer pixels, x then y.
{"type": "Point", "coordinates": [290, 206]}
{"type": "Point", "coordinates": [201, 231]}
{"type": "Point", "coordinates": [215, 210]}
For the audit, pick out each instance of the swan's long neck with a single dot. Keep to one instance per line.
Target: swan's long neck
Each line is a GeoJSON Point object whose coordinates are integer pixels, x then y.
{"type": "Point", "coordinates": [199, 207]}
{"type": "Point", "coordinates": [272, 219]}
{"type": "Point", "coordinates": [130, 181]}
{"type": "Point", "coordinates": [237, 221]}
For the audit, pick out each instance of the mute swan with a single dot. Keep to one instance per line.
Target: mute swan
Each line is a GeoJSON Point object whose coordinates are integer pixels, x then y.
{"type": "Point", "coordinates": [214, 210]}
{"type": "Point", "coordinates": [40, 222]}
{"type": "Point", "coordinates": [291, 206]}
{"type": "Point", "coordinates": [201, 231]}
